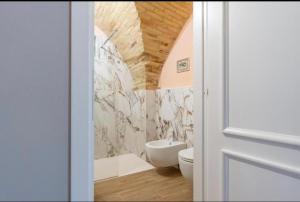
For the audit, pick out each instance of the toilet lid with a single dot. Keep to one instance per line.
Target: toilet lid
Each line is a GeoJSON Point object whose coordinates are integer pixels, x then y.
{"type": "Point", "coordinates": [187, 155]}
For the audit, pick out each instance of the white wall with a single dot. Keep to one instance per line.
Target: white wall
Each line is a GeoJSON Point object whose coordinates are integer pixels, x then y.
{"type": "Point", "coordinates": [34, 91]}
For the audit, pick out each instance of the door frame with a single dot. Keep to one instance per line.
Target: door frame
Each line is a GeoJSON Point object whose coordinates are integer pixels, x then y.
{"type": "Point", "coordinates": [198, 85]}
{"type": "Point", "coordinates": [82, 130]}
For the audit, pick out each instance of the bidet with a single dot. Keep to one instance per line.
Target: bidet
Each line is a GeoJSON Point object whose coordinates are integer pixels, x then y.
{"type": "Point", "coordinates": [164, 153]}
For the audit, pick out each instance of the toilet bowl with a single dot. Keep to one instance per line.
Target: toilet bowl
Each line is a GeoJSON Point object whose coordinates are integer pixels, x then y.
{"type": "Point", "coordinates": [186, 161]}
{"type": "Point", "coordinates": [164, 153]}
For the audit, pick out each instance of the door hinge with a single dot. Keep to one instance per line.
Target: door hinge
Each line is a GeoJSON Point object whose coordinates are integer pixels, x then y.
{"type": "Point", "coordinates": [205, 92]}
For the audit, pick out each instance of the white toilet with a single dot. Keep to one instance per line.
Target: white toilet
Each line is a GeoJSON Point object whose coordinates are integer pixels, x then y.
{"type": "Point", "coordinates": [186, 161]}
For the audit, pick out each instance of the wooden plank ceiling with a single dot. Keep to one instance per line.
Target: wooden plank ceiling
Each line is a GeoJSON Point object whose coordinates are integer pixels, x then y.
{"type": "Point", "coordinates": [146, 32]}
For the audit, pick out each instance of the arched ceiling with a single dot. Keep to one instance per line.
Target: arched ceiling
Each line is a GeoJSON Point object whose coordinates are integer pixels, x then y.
{"type": "Point", "coordinates": [146, 32]}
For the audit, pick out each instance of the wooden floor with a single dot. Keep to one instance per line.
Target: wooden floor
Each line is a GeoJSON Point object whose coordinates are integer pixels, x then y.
{"type": "Point", "coordinates": [166, 184]}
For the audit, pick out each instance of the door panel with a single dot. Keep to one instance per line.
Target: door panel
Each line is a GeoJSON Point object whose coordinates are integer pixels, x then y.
{"type": "Point", "coordinates": [251, 112]}
{"type": "Point", "coordinates": [272, 181]}
{"type": "Point", "coordinates": [263, 66]}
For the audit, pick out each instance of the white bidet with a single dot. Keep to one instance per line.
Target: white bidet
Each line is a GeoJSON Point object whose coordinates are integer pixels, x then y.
{"type": "Point", "coordinates": [164, 153]}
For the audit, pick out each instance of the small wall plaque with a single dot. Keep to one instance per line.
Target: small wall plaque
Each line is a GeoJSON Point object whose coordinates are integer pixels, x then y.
{"type": "Point", "coordinates": [183, 65]}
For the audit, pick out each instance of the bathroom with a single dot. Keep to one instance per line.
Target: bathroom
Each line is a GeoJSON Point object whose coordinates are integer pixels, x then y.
{"type": "Point", "coordinates": [149, 101]}
{"type": "Point", "coordinates": [143, 99]}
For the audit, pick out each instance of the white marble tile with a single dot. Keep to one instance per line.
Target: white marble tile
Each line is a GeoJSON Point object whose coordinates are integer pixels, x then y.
{"type": "Point", "coordinates": [174, 114]}
{"type": "Point", "coordinates": [125, 119]}
{"type": "Point", "coordinates": [120, 112]}
{"type": "Point", "coordinates": [150, 116]}
{"type": "Point", "coordinates": [131, 122]}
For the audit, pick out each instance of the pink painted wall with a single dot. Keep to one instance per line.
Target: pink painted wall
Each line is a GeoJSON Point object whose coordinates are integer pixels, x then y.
{"type": "Point", "coordinates": [183, 48]}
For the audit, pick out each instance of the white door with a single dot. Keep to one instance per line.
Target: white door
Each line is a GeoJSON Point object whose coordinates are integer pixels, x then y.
{"type": "Point", "coordinates": [252, 110]}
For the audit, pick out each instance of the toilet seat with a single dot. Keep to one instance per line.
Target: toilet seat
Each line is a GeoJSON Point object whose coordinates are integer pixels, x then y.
{"type": "Point", "coordinates": [187, 155]}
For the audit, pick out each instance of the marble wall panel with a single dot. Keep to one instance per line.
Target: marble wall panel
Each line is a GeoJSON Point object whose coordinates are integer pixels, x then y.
{"type": "Point", "coordinates": [173, 117]}
{"type": "Point", "coordinates": [120, 111]}
{"type": "Point", "coordinates": [125, 119]}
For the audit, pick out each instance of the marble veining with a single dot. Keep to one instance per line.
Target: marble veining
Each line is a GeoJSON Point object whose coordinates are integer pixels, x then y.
{"type": "Point", "coordinates": [125, 119]}
{"type": "Point", "coordinates": [173, 117]}
{"type": "Point", "coordinates": [120, 112]}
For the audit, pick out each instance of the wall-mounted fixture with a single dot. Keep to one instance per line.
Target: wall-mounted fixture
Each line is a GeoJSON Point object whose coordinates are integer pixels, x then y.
{"type": "Point", "coordinates": [183, 65]}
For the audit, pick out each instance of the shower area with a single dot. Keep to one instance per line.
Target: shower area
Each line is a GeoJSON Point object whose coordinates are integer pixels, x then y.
{"type": "Point", "coordinates": [132, 45]}
{"type": "Point", "coordinates": [119, 114]}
